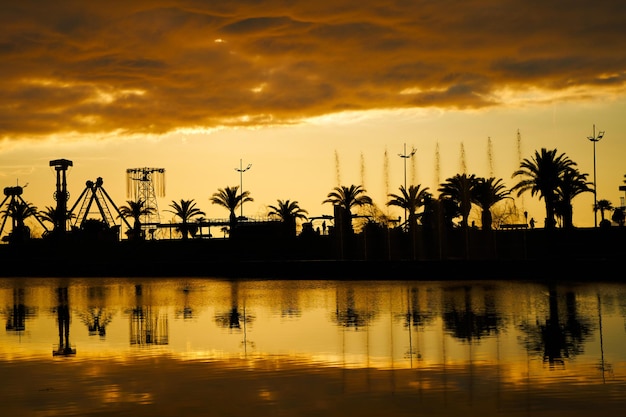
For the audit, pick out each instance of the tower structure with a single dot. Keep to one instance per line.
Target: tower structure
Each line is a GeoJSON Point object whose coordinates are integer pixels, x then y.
{"type": "Point", "coordinates": [61, 195]}
{"type": "Point", "coordinates": [146, 184]}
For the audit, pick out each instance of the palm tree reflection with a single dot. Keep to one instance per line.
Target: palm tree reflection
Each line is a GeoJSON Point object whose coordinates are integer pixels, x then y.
{"type": "Point", "coordinates": [64, 347]}
{"type": "Point", "coordinates": [557, 340]}
{"type": "Point", "coordinates": [464, 323]}
{"type": "Point", "coordinates": [96, 318]}
{"type": "Point", "coordinates": [235, 318]}
{"type": "Point", "coordinates": [232, 319]}
{"type": "Point", "coordinates": [348, 315]}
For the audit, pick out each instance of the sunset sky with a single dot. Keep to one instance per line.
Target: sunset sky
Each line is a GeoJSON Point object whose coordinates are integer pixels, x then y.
{"type": "Point", "coordinates": [312, 94]}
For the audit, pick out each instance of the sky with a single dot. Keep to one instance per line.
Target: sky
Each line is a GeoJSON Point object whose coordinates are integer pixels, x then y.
{"type": "Point", "coordinates": [311, 94]}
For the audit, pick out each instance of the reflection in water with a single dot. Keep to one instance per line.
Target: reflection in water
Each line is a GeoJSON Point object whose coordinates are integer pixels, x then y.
{"type": "Point", "coordinates": [147, 325]}
{"type": "Point", "coordinates": [319, 348]}
{"type": "Point", "coordinates": [16, 315]}
{"type": "Point", "coordinates": [348, 314]}
{"type": "Point", "coordinates": [187, 311]}
{"type": "Point", "coordinates": [64, 348]}
{"type": "Point", "coordinates": [557, 339]}
{"type": "Point", "coordinates": [466, 321]}
{"type": "Point", "coordinates": [97, 317]}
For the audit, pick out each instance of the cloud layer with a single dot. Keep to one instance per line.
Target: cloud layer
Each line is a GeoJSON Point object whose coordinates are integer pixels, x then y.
{"type": "Point", "coordinates": [152, 67]}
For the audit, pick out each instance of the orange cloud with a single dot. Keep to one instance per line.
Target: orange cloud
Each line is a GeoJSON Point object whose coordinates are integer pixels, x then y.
{"type": "Point", "coordinates": [154, 67]}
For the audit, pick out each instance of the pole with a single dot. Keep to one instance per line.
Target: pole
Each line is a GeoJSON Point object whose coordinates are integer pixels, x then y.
{"type": "Point", "coordinates": [595, 139]}
{"type": "Point", "coordinates": [241, 170]}
{"type": "Point", "coordinates": [406, 156]}
{"type": "Point", "coordinates": [595, 186]}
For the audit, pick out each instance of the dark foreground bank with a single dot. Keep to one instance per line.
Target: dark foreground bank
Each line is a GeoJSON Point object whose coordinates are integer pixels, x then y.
{"type": "Point", "coordinates": [536, 255]}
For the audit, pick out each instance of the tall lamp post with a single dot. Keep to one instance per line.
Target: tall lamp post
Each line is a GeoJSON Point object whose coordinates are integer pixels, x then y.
{"type": "Point", "coordinates": [241, 170]}
{"type": "Point", "coordinates": [595, 139]}
{"type": "Point", "coordinates": [406, 156]}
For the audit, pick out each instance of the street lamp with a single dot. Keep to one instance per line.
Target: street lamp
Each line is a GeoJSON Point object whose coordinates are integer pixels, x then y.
{"type": "Point", "coordinates": [595, 139]}
{"type": "Point", "coordinates": [406, 156]}
{"type": "Point", "coordinates": [241, 170]}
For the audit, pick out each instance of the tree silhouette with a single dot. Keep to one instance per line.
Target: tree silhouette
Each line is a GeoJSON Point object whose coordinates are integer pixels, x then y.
{"type": "Point", "coordinates": [460, 189]}
{"type": "Point", "coordinates": [486, 193]}
{"type": "Point", "coordinates": [410, 200]}
{"type": "Point", "coordinates": [18, 211]}
{"type": "Point", "coordinates": [603, 205]}
{"type": "Point", "coordinates": [135, 210]}
{"type": "Point", "coordinates": [288, 212]}
{"type": "Point", "coordinates": [572, 183]}
{"type": "Point", "coordinates": [618, 216]}
{"type": "Point", "coordinates": [231, 199]}
{"type": "Point", "coordinates": [541, 174]}
{"type": "Point", "coordinates": [186, 210]}
{"type": "Point", "coordinates": [347, 198]}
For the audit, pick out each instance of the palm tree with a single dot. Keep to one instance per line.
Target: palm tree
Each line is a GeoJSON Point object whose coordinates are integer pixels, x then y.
{"type": "Point", "coordinates": [135, 210]}
{"type": "Point", "coordinates": [460, 189]}
{"type": "Point", "coordinates": [487, 192]}
{"type": "Point", "coordinates": [542, 175]}
{"type": "Point", "coordinates": [410, 200]}
{"type": "Point", "coordinates": [288, 212]}
{"type": "Point", "coordinates": [19, 211]}
{"type": "Point", "coordinates": [572, 183]}
{"type": "Point", "coordinates": [186, 210]}
{"type": "Point", "coordinates": [230, 199]}
{"type": "Point", "coordinates": [49, 214]}
{"type": "Point", "coordinates": [619, 216]}
{"type": "Point", "coordinates": [603, 205]}
{"type": "Point", "coordinates": [346, 198]}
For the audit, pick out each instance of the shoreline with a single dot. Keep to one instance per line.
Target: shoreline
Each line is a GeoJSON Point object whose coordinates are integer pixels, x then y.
{"type": "Point", "coordinates": [580, 254]}
{"type": "Point", "coordinates": [419, 270]}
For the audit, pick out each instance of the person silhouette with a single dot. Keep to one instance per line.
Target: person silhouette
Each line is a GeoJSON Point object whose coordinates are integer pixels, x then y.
{"type": "Point", "coordinates": [532, 223]}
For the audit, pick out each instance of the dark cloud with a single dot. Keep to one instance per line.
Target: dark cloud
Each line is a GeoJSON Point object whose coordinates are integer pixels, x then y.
{"type": "Point", "coordinates": [156, 66]}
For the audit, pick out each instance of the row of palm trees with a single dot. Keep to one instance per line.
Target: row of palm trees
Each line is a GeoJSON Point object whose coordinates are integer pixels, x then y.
{"type": "Point", "coordinates": [551, 176]}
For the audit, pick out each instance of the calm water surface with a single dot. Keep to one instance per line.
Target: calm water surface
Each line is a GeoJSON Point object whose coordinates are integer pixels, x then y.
{"type": "Point", "coordinates": [207, 347]}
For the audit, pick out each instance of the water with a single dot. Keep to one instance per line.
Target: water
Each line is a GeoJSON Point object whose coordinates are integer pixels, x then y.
{"type": "Point", "coordinates": [205, 347]}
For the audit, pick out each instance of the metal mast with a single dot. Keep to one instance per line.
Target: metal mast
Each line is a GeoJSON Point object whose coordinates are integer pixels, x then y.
{"type": "Point", "coordinates": [146, 184]}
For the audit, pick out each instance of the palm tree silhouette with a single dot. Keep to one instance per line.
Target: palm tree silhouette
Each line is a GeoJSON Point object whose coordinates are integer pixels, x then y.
{"type": "Point", "coordinates": [618, 216]}
{"type": "Point", "coordinates": [186, 210]}
{"type": "Point", "coordinates": [603, 205]}
{"type": "Point", "coordinates": [135, 210]}
{"type": "Point", "coordinates": [346, 198]}
{"type": "Point", "coordinates": [487, 192]}
{"type": "Point", "coordinates": [230, 199]}
{"type": "Point", "coordinates": [410, 200]}
{"type": "Point", "coordinates": [541, 174]}
{"type": "Point", "coordinates": [19, 211]}
{"type": "Point", "coordinates": [572, 183]}
{"type": "Point", "coordinates": [288, 212]}
{"type": "Point", "coordinates": [460, 189]}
